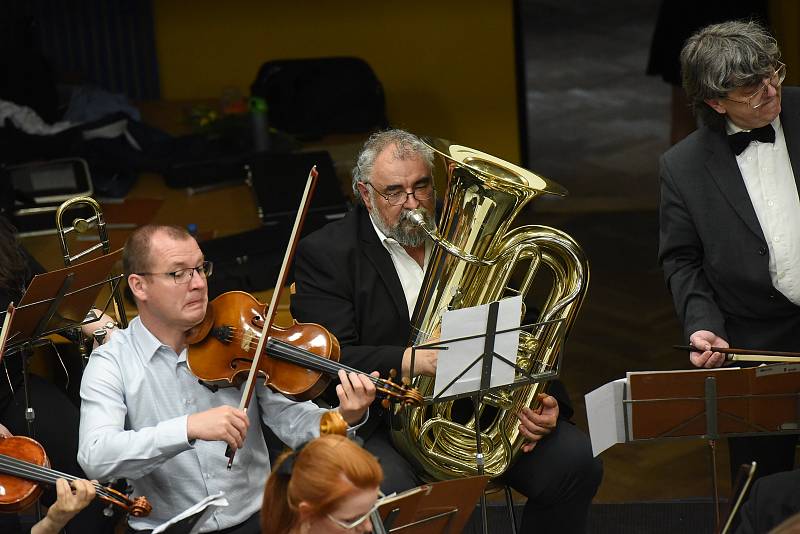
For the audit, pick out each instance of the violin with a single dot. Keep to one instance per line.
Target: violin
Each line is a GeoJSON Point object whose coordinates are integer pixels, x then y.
{"type": "Point", "coordinates": [24, 467]}
{"type": "Point", "coordinates": [300, 359]}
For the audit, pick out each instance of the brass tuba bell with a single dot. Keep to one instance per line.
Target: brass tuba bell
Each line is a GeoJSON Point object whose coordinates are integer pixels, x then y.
{"type": "Point", "coordinates": [474, 262]}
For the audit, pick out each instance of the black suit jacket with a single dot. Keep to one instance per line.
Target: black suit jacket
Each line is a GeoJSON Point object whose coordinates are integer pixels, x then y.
{"type": "Point", "coordinates": [345, 280]}
{"type": "Point", "coordinates": [712, 249]}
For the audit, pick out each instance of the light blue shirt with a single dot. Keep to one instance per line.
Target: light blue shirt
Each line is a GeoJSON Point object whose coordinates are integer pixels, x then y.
{"type": "Point", "coordinates": [136, 395]}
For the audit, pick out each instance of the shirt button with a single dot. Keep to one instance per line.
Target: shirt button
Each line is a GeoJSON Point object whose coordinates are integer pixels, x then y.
{"type": "Point", "coordinates": [770, 203]}
{"type": "Point", "coordinates": [777, 238]}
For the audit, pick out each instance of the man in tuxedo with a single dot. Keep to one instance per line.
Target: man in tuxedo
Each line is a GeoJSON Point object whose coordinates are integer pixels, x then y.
{"type": "Point", "coordinates": [360, 278]}
{"type": "Point", "coordinates": [729, 212]}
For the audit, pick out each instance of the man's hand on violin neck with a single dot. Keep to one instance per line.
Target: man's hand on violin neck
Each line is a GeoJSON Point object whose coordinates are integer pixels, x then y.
{"type": "Point", "coordinates": [223, 423]}
{"type": "Point", "coordinates": [356, 392]}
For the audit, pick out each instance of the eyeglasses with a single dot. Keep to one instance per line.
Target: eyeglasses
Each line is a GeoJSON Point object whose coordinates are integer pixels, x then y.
{"type": "Point", "coordinates": [353, 524]}
{"type": "Point", "coordinates": [182, 276]}
{"type": "Point", "coordinates": [396, 198]}
{"type": "Point", "coordinates": [756, 100]}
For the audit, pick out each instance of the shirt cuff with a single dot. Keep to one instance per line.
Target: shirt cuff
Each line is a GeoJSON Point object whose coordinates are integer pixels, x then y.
{"type": "Point", "coordinates": [351, 430]}
{"type": "Point", "coordinates": [172, 435]}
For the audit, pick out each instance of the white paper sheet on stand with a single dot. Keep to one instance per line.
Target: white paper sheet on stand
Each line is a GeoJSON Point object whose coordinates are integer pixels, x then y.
{"type": "Point", "coordinates": [470, 322]}
{"type": "Point", "coordinates": [604, 410]}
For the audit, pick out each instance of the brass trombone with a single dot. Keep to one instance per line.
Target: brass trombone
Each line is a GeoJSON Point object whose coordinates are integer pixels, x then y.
{"type": "Point", "coordinates": [80, 226]}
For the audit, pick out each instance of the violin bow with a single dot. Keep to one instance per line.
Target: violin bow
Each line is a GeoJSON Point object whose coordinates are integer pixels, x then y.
{"type": "Point", "coordinates": [269, 316]}
{"type": "Point", "coordinates": [6, 328]}
{"type": "Point", "coordinates": [748, 355]}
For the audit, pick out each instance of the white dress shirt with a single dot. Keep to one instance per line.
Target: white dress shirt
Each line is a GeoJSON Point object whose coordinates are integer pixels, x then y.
{"type": "Point", "coordinates": [408, 270]}
{"type": "Point", "coordinates": [770, 182]}
{"type": "Point", "coordinates": [136, 395]}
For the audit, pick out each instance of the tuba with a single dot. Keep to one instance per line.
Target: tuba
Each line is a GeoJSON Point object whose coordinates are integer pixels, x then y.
{"type": "Point", "coordinates": [477, 260]}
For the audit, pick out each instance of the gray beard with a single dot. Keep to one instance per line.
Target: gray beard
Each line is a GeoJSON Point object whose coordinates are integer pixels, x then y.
{"type": "Point", "coordinates": [406, 232]}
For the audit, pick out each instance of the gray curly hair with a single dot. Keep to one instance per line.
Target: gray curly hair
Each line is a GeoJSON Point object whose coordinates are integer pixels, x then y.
{"type": "Point", "coordinates": [722, 57]}
{"type": "Point", "coordinates": [406, 145]}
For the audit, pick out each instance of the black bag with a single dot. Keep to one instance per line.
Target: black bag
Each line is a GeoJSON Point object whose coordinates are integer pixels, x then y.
{"type": "Point", "coordinates": [250, 261]}
{"type": "Point", "coordinates": [279, 181]}
{"type": "Point", "coordinates": [310, 98]}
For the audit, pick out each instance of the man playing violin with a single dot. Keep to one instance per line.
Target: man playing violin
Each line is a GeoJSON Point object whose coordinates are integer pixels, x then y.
{"type": "Point", "coordinates": [146, 418]}
{"type": "Point", "coordinates": [360, 278]}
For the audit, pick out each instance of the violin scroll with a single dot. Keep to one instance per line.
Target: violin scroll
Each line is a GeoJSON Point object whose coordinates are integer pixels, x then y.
{"type": "Point", "coordinates": [403, 392]}
{"type": "Point", "coordinates": [332, 422]}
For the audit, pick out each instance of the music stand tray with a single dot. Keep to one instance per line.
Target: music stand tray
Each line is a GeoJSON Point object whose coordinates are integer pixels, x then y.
{"type": "Point", "coordinates": [440, 507]}
{"type": "Point", "coordinates": [59, 300]}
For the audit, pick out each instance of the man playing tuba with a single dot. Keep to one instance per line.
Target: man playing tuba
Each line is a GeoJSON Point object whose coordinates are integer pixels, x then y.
{"type": "Point", "coordinates": [360, 278]}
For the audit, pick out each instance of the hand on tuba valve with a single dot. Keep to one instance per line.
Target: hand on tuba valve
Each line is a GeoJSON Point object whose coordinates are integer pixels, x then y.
{"type": "Point", "coordinates": [536, 423]}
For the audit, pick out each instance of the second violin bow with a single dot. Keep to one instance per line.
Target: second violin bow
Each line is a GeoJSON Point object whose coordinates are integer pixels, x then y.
{"type": "Point", "coordinates": [748, 355]}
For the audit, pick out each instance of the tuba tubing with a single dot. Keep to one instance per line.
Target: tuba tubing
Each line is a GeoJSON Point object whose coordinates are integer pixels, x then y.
{"type": "Point", "coordinates": [475, 257]}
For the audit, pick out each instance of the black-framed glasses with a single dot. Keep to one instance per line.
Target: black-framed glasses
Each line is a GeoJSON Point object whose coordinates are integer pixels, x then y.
{"type": "Point", "coordinates": [396, 198]}
{"type": "Point", "coordinates": [756, 100]}
{"type": "Point", "coordinates": [182, 276]}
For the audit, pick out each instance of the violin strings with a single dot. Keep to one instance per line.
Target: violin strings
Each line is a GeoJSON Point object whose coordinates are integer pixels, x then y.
{"type": "Point", "coordinates": [302, 357]}
{"type": "Point", "coordinates": [292, 354]}
{"type": "Point", "coordinates": [21, 468]}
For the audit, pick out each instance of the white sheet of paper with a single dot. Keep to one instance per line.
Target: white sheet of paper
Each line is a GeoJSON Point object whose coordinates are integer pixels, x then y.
{"type": "Point", "coordinates": [460, 354]}
{"type": "Point", "coordinates": [604, 410]}
{"type": "Point", "coordinates": [206, 507]}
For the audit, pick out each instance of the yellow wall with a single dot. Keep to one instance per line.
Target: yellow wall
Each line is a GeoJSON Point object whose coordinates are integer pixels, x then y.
{"type": "Point", "coordinates": [447, 67]}
{"type": "Point", "coordinates": [784, 19]}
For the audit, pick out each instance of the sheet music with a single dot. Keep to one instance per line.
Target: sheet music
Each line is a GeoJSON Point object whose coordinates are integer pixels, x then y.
{"type": "Point", "coordinates": [471, 322]}
{"type": "Point", "coordinates": [604, 410]}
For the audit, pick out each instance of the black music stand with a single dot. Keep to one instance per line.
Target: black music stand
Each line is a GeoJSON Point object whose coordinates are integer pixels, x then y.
{"type": "Point", "coordinates": [55, 302]}
{"type": "Point", "coordinates": [440, 507]}
{"type": "Point", "coordinates": [486, 359]}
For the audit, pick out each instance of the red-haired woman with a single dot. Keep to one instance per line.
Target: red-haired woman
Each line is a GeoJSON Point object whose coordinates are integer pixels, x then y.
{"type": "Point", "coordinates": [330, 485]}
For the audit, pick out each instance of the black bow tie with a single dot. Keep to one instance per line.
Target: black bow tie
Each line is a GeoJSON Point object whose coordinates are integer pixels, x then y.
{"type": "Point", "coordinates": [739, 141]}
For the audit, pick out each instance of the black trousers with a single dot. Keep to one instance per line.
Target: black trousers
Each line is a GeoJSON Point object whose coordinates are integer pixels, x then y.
{"type": "Point", "coordinates": [251, 526]}
{"type": "Point", "coordinates": [56, 429]}
{"type": "Point", "coordinates": [559, 477]}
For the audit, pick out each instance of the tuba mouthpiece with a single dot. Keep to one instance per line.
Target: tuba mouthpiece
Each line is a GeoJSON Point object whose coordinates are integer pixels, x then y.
{"type": "Point", "coordinates": [417, 215]}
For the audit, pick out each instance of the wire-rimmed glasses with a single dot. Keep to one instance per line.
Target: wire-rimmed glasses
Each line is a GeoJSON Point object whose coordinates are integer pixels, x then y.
{"type": "Point", "coordinates": [756, 100]}
{"type": "Point", "coordinates": [182, 276]}
{"type": "Point", "coordinates": [396, 198]}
